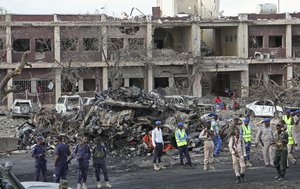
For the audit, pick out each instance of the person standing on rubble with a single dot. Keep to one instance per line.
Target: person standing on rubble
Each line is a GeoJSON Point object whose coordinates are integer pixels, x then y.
{"type": "Point", "coordinates": [237, 149]}
{"type": "Point", "coordinates": [83, 154]}
{"type": "Point", "coordinates": [266, 137]}
{"type": "Point", "coordinates": [62, 152]}
{"type": "Point", "coordinates": [289, 121]}
{"type": "Point", "coordinates": [158, 143]}
{"type": "Point", "coordinates": [39, 153]}
{"type": "Point", "coordinates": [217, 137]}
{"type": "Point", "coordinates": [281, 152]}
{"type": "Point", "coordinates": [181, 140]}
{"type": "Point", "coordinates": [207, 136]}
{"type": "Point", "coordinates": [99, 163]}
{"type": "Point", "coordinates": [247, 136]}
{"type": "Point", "coordinates": [296, 130]}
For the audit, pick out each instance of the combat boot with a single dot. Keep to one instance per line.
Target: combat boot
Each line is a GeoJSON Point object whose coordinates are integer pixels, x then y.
{"type": "Point", "coordinates": [205, 168]}
{"type": "Point", "coordinates": [84, 186]}
{"type": "Point", "coordinates": [99, 185]}
{"type": "Point", "coordinates": [238, 180]}
{"type": "Point", "coordinates": [78, 186]}
{"type": "Point", "coordinates": [161, 166]}
{"type": "Point", "coordinates": [243, 178]}
{"type": "Point", "coordinates": [108, 185]}
{"type": "Point", "coordinates": [156, 166]}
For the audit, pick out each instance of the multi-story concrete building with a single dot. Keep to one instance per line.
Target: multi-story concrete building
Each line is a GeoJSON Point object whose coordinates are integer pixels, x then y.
{"type": "Point", "coordinates": [149, 53]}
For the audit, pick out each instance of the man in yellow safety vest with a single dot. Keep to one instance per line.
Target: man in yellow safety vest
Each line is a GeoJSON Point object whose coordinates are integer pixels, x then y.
{"type": "Point", "coordinates": [289, 121]}
{"type": "Point", "coordinates": [181, 140]}
{"type": "Point", "coordinates": [247, 136]}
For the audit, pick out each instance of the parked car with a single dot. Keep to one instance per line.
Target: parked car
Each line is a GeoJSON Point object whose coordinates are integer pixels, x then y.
{"type": "Point", "coordinates": [88, 101]}
{"type": "Point", "coordinates": [264, 108]}
{"type": "Point", "coordinates": [24, 108]}
{"type": "Point", "coordinates": [9, 181]}
{"type": "Point", "coordinates": [68, 103]}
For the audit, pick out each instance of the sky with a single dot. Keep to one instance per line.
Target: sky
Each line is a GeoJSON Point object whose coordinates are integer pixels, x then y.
{"type": "Point", "coordinates": [116, 7]}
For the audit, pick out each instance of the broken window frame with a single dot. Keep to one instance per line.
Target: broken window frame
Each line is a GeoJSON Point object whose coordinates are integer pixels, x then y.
{"type": "Point", "coordinates": [86, 86]}
{"type": "Point", "coordinates": [136, 42]}
{"type": "Point", "coordinates": [42, 86]}
{"type": "Point", "coordinates": [22, 86]}
{"type": "Point", "coordinates": [43, 45]}
{"type": "Point", "coordinates": [275, 41]}
{"type": "Point", "coordinates": [256, 42]}
{"type": "Point", "coordinates": [129, 30]}
{"type": "Point", "coordinates": [18, 45]}
{"type": "Point", "coordinates": [70, 44]}
{"type": "Point", "coordinates": [90, 44]}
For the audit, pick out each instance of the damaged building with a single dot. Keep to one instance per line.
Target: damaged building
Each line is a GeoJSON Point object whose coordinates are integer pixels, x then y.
{"type": "Point", "coordinates": [186, 54]}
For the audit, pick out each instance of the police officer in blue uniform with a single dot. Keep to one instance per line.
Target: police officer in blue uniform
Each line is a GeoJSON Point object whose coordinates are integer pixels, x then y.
{"type": "Point", "coordinates": [62, 152]}
{"type": "Point", "coordinates": [83, 154]}
{"type": "Point", "coordinates": [99, 162]}
{"type": "Point", "coordinates": [39, 153]}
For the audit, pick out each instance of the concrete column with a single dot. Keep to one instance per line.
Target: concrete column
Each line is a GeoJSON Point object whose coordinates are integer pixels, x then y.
{"type": "Point", "coordinates": [104, 78]}
{"type": "Point", "coordinates": [57, 83]}
{"type": "Point", "coordinates": [126, 42]}
{"type": "Point", "coordinates": [10, 96]}
{"type": "Point", "coordinates": [57, 56]}
{"type": "Point", "coordinates": [199, 9]}
{"type": "Point", "coordinates": [245, 83]}
{"type": "Point", "coordinates": [8, 40]}
{"type": "Point", "coordinates": [171, 82]}
{"type": "Point", "coordinates": [289, 76]}
{"type": "Point", "coordinates": [197, 86]}
{"type": "Point", "coordinates": [242, 47]}
{"type": "Point", "coordinates": [126, 82]}
{"type": "Point", "coordinates": [104, 38]}
{"type": "Point", "coordinates": [149, 40]}
{"type": "Point", "coordinates": [33, 85]}
{"type": "Point", "coordinates": [196, 40]}
{"type": "Point", "coordinates": [288, 41]}
{"type": "Point", "coordinates": [150, 79]}
{"type": "Point", "coordinates": [80, 85]}
{"type": "Point", "coordinates": [265, 78]}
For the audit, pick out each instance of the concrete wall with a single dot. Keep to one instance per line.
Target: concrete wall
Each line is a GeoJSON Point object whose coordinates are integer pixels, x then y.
{"type": "Point", "coordinates": [8, 144]}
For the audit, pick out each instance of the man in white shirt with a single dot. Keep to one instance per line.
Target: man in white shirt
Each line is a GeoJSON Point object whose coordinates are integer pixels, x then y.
{"type": "Point", "coordinates": [158, 143]}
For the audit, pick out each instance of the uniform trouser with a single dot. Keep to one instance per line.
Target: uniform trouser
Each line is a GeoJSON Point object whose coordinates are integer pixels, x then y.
{"type": "Point", "coordinates": [158, 150]}
{"type": "Point", "coordinates": [208, 152]}
{"type": "Point", "coordinates": [41, 169]}
{"type": "Point", "coordinates": [291, 159]}
{"type": "Point", "coordinates": [280, 161]}
{"type": "Point", "coordinates": [268, 154]}
{"type": "Point", "coordinates": [82, 172]}
{"type": "Point", "coordinates": [183, 151]}
{"type": "Point", "coordinates": [296, 136]}
{"type": "Point", "coordinates": [248, 148]}
{"type": "Point", "coordinates": [101, 167]}
{"type": "Point", "coordinates": [61, 172]}
{"type": "Point", "coordinates": [238, 165]}
{"type": "Point", "coordinates": [218, 145]}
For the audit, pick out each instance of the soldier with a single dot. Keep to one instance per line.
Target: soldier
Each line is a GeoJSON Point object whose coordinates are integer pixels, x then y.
{"type": "Point", "coordinates": [266, 137]}
{"type": "Point", "coordinates": [289, 120]}
{"type": "Point", "coordinates": [207, 136]}
{"type": "Point", "coordinates": [281, 152]}
{"type": "Point", "coordinates": [247, 136]}
{"type": "Point", "coordinates": [83, 154]}
{"type": "Point", "coordinates": [217, 139]}
{"type": "Point", "coordinates": [158, 144]}
{"type": "Point", "coordinates": [62, 152]}
{"type": "Point", "coordinates": [181, 140]}
{"type": "Point", "coordinates": [237, 148]}
{"type": "Point", "coordinates": [39, 153]}
{"type": "Point", "coordinates": [99, 162]}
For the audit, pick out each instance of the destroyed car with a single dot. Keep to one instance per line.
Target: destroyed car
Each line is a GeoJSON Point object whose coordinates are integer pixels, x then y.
{"type": "Point", "coordinates": [9, 181]}
{"type": "Point", "coordinates": [264, 108]}
{"type": "Point", "coordinates": [88, 101]}
{"type": "Point", "coordinates": [68, 103]}
{"type": "Point", "coordinates": [24, 108]}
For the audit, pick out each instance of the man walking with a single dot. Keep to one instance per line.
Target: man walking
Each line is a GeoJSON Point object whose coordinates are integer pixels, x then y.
{"type": "Point", "coordinates": [39, 153]}
{"type": "Point", "coordinates": [99, 162]}
{"type": "Point", "coordinates": [247, 136]}
{"type": "Point", "coordinates": [217, 139]}
{"type": "Point", "coordinates": [62, 152]}
{"type": "Point", "coordinates": [296, 130]}
{"type": "Point", "coordinates": [158, 143]}
{"type": "Point", "coordinates": [181, 140]}
{"type": "Point", "coordinates": [237, 148]}
{"type": "Point", "coordinates": [289, 121]}
{"type": "Point", "coordinates": [265, 137]}
{"type": "Point", "coordinates": [83, 154]}
{"type": "Point", "coordinates": [281, 152]}
{"type": "Point", "coordinates": [207, 136]}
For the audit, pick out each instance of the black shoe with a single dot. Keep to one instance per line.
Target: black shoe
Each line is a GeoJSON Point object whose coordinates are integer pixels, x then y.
{"type": "Point", "coordinates": [238, 180]}
{"type": "Point", "coordinates": [243, 178]}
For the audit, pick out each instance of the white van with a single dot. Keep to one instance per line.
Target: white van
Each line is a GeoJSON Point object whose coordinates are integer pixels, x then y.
{"type": "Point", "coordinates": [68, 103]}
